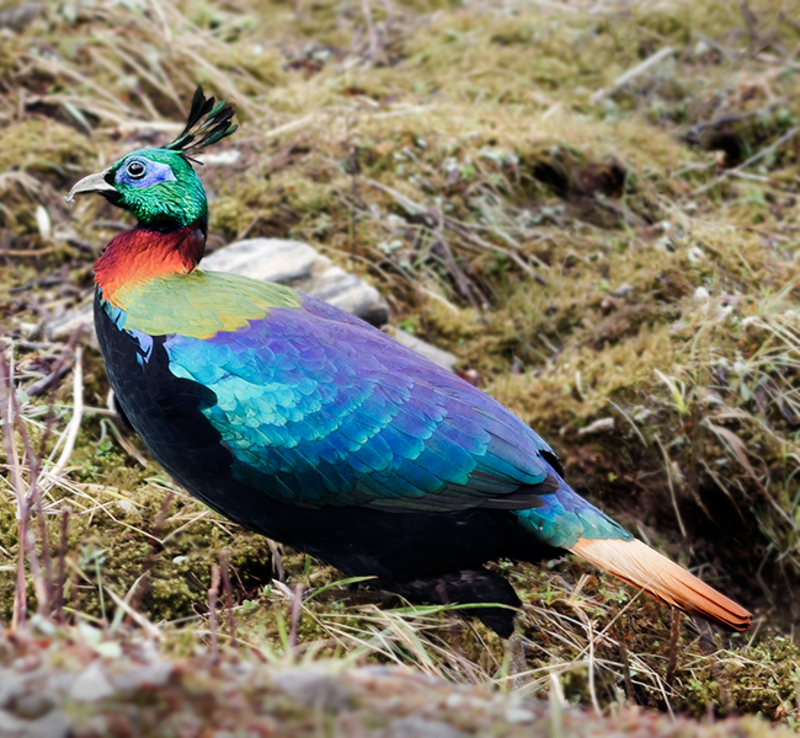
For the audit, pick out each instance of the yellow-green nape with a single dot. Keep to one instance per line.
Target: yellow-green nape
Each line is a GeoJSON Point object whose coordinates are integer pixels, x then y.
{"type": "Point", "coordinates": [200, 304]}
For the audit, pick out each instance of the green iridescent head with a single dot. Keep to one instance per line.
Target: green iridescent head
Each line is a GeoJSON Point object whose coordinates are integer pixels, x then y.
{"type": "Point", "coordinates": [159, 186]}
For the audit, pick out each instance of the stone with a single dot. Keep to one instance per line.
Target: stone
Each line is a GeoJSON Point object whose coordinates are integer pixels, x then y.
{"type": "Point", "coordinates": [55, 724]}
{"type": "Point", "coordinates": [517, 715]}
{"type": "Point", "coordinates": [152, 676]}
{"type": "Point", "coordinates": [604, 425]}
{"type": "Point", "coordinates": [701, 296]}
{"type": "Point", "coordinates": [33, 704]}
{"type": "Point", "coordinates": [303, 268]}
{"type": "Point", "coordinates": [293, 263]}
{"type": "Point", "coordinates": [11, 726]}
{"type": "Point", "coordinates": [443, 358]}
{"type": "Point", "coordinates": [12, 686]}
{"type": "Point", "coordinates": [418, 727]}
{"type": "Point", "coordinates": [92, 685]}
{"type": "Point", "coordinates": [62, 328]}
{"type": "Point", "coordinates": [314, 688]}
{"type": "Point", "coordinates": [18, 18]}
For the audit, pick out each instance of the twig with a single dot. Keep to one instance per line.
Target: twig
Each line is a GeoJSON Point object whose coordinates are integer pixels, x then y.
{"type": "Point", "coordinates": [159, 11]}
{"type": "Point", "coordinates": [62, 555]}
{"type": "Point", "coordinates": [415, 208]}
{"type": "Point", "coordinates": [226, 586]}
{"type": "Point", "coordinates": [632, 73]}
{"type": "Point", "coordinates": [71, 433]}
{"type": "Point", "coordinates": [462, 282]}
{"type": "Point", "coordinates": [277, 559]}
{"type": "Point", "coordinates": [43, 584]}
{"type": "Point", "coordinates": [20, 592]}
{"type": "Point", "coordinates": [212, 611]}
{"type": "Point", "coordinates": [151, 553]}
{"type": "Point", "coordinates": [30, 500]}
{"type": "Point", "coordinates": [289, 127]}
{"type": "Point", "coordinates": [137, 617]}
{"type": "Point", "coordinates": [673, 496]}
{"type": "Point", "coordinates": [129, 448]}
{"type": "Point", "coordinates": [625, 661]}
{"type": "Point", "coordinates": [674, 632]}
{"type": "Point", "coordinates": [592, 690]}
{"type": "Point", "coordinates": [790, 134]}
{"type": "Point", "coordinates": [374, 40]}
{"type": "Point", "coordinates": [50, 588]}
{"type": "Point", "coordinates": [57, 69]}
{"type": "Point", "coordinates": [750, 19]}
{"type": "Point", "coordinates": [556, 707]}
{"type": "Point", "coordinates": [693, 134]}
{"type": "Point", "coordinates": [40, 386]}
{"type": "Point", "coordinates": [777, 61]}
{"type": "Point", "coordinates": [727, 52]}
{"type": "Point", "coordinates": [297, 607]}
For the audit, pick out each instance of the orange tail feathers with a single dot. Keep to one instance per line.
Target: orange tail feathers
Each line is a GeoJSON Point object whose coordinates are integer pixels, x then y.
{"type": "Point", "coordinates": [637, 563]}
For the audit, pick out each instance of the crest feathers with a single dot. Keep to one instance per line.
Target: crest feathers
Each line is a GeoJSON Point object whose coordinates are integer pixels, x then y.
{"type": "Point", "coordinates": [206, 124]}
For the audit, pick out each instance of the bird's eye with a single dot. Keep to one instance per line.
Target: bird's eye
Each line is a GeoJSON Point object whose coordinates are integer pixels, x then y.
{"type": "Point", "coordinates": [135, 170]}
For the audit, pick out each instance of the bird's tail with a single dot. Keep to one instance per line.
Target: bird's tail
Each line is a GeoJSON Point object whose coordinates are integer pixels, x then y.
{"type": "Point", "coordinates": [640, 565]}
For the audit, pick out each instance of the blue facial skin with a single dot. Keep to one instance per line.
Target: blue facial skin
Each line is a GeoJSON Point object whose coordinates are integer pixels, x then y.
{"type": "Point", "coordinates": [140, 172]}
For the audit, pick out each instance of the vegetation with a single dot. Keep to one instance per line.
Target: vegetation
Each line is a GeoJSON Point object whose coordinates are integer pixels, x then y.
{"type": "Point", "coordinates": [593, 207]}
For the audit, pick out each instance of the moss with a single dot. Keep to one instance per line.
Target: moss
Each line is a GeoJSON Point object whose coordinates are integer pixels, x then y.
{"type": "Point", "coordinates": [41, 145]}
{"type": "Point", "coordinates": [559, 240]}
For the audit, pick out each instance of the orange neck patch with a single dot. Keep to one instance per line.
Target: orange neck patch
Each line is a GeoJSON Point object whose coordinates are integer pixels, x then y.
{"type": "Point", "coordinates": [138, 256]}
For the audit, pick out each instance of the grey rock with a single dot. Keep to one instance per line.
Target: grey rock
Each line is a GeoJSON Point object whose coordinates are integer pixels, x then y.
{"type": "Point", "coordinates": [59, 683]}
{"type": "Point", "coordinates": [289, 262]}
{"type": "Point", "coordinates": [303, 268]}
{"type": "Point", "coordinates": [152, 675]}
{"type": "Point", "coordinates": [519, 715]}
{"type": "Point", "coordinates": [12, 685]}
{"type": "Point", "coordinates": [443, 358]}
{"type": "Point", "coordinates": [20, 17]}
{"type": "Point", "coordinates": [603, 425]}
{"type": "Point", "coordinates": [55, 724]}
{"type": "Point", "coordinates": [417, 727]}
{"type": "Point", "coordinates": [32, 704]}
{"type": "Point", "coordinates": [269, 259]}
{"type": "Point", "coordinates": [92, 685]}
{"type": "Point", "coordinates": [62, 328]}
{"type": "Point", "coordinates": [314, 688]}
{"type": "Point", "coordinates": [11, 726]}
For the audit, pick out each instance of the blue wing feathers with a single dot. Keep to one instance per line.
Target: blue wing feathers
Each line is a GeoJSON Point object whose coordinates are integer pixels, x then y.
{"type": "Point", "coordinates": [320, 409]}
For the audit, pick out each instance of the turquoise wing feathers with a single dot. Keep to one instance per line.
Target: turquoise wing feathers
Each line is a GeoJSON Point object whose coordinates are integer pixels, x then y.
{"type": "Point", "coordinates": [321, 409]}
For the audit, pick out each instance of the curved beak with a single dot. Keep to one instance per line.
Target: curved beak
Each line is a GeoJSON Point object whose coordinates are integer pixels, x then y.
{"type": "Point", "coordinates": [93, 183]}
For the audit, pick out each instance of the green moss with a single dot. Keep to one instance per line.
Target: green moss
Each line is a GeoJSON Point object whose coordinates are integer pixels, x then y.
{"type": "Point", "coordinates": [41, 145]}
{"type": "Point", "coordinates": [552, 236]}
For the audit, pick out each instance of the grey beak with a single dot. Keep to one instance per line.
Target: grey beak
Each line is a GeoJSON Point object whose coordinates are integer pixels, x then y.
{"type": "Point", "coordinates": [92, 183]}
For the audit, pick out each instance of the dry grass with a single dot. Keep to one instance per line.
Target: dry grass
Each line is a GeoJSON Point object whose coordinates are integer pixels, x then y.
{"type": "Point", "coordinates": [517, 181]}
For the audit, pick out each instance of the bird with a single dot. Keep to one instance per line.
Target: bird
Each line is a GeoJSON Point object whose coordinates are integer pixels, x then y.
{"type": "Point", "coordinates": [309, 426]}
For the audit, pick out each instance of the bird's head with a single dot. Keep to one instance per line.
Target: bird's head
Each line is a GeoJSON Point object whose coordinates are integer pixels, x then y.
{"type": "Point", "coordinates": [159, 185]}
